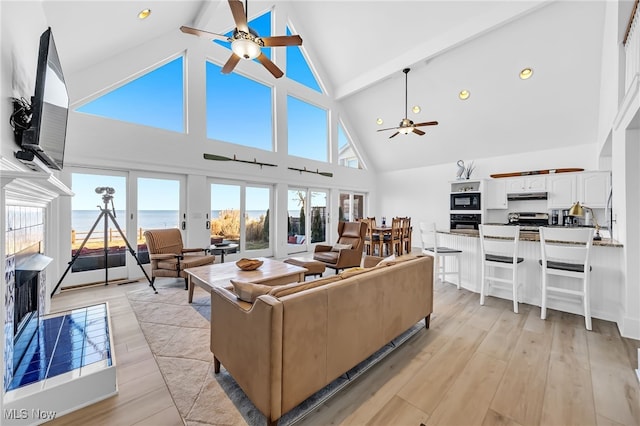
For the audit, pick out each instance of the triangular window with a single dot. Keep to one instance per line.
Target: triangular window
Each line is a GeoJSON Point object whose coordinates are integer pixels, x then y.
{"type": "Point", "coordinates": [154, 99]}
{"type": "Point", "coordinates": [261, 25]}
{"type": "Point", "coordinates": [346, 154]}
{"type": "Point", "coordinates": [298, 69]}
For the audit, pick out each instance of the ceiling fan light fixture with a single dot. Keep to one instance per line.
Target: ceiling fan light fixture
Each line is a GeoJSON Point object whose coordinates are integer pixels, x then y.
{"type": "Point", "coordinates": [526, 73]}
{"type": "Point", "coordinates": [144, 14]}
{"type": "Point", "coordinates": [245, 49]}
{"type": "Point", "coordinates": [406, 130]}
{"type": "Point", "coordinates": [464, 95]}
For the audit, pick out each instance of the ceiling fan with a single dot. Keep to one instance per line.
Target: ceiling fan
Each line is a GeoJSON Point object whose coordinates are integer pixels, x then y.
{"type": "Point", "coordinates": [245, 42]}
{"type": "Point", "coordinates": [407, 126]}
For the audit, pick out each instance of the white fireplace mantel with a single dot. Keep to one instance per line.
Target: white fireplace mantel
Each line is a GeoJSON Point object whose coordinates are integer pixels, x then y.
{"type": "Point", "coordinates": [28, 186]}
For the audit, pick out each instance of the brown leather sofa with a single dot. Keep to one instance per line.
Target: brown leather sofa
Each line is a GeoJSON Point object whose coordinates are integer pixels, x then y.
{"type": "Point", "coordinates": [299, 337]}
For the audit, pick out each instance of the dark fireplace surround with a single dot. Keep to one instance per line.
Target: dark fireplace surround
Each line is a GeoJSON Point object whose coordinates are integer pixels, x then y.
{"type": "Point", "coordinates": [29, 265]}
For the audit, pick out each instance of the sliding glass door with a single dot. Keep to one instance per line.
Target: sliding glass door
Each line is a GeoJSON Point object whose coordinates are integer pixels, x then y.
{"type": "Point", "coordinates": [93, 230]}
{"type": "Point", "coordinates": [138, 201]}
{"type": "Point", "coordinates": [240, 218]}
{"type": "Point", "coordinates": [351, 206]}
{"type": "Point", "coordinates": [306, 218]}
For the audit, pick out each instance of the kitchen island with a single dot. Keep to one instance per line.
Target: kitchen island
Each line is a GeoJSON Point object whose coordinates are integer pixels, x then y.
{"type": "Point", "coordinates": [607, 281]}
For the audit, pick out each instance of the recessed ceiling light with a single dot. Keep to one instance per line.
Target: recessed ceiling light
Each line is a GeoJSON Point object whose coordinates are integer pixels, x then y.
{"type": "Point", "coordinates": [464, 95]}
{"type": "Point", "coordinates": [526, 73]}
{"type": "Point", "coordinates": [416, 109]}
{"type": "Point", "coordinates": [144, 14]}
{"type": "Point", "coordinates": [379, 121]}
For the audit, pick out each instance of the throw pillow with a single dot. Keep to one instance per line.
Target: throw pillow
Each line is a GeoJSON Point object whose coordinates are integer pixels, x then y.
{"type": "Point", "coordinates": [248, 291]}
{"type": "Point", "coordinates": [338, 247]}
{"type": "Point", "coordinates": [291, 239]}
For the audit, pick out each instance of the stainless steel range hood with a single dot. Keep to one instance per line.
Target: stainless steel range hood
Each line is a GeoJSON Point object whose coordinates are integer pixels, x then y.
{"type": "Point", "coordinates": [527, 196]}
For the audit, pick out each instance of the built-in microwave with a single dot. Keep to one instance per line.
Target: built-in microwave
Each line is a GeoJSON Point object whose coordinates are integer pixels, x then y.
{"type": "Point", "coordinates": [465, 201]}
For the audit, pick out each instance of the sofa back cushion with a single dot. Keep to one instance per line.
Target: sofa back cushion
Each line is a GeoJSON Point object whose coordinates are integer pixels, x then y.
{"type": "Point", "coordinates": [287, 289]}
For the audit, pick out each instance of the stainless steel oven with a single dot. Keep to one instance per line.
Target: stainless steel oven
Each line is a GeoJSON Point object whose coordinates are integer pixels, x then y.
{"type": "Point", "coordinates": [465, 201]}
{"type": "Point", "coordinates": [465, 221]}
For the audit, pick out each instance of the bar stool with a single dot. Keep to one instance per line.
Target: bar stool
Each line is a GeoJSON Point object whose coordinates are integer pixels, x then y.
{"type": "Point", "coordinates": [430, 247]}
{"type": "Point", "coordinates": [566, 253]}
{"type": "Point", "coordinates": [499, 250]}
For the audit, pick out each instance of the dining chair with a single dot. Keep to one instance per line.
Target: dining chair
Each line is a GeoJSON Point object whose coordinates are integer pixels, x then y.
{"type": "Point", "coordinates": [566, 252]}
{"type": "Point", "coordinates": [405, 235]}
{"type": "Point", "coordinates": [431, 247]}
{"type": "Point", "coordinates": [499, 250]}
{"type": "Point", "coordinates": [393, 240]}
{"type": "Point", "coordinates": [372, 240]}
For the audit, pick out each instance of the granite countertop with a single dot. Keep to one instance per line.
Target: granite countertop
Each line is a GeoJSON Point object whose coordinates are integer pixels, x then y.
{"type": "Point", "coordinates": [527, 236]}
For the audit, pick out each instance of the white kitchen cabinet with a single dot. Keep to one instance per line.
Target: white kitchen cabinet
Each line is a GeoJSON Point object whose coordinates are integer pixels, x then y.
{"type": "Point", "coordinates": [526, 184]}
{"type": "Point", "coordinates": [495, 194]}
{"type": "Point", "coordinates": [593, 189]}
{"type": "Point", "coordinates": [562, 191]}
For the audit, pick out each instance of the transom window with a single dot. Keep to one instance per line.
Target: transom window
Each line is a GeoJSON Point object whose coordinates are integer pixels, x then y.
{"type": "Point", "coordinates": [307, 130]}
{"type": "Point", "coordinates": [238, 109]}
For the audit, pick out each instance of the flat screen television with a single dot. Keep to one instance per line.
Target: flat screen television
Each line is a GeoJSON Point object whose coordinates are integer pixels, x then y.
{"type": "Point", "coordinates": [47, 131]}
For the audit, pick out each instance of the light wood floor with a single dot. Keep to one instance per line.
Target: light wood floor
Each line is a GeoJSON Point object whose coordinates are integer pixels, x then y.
{"type": "Point", "coordinates": [477, 364]}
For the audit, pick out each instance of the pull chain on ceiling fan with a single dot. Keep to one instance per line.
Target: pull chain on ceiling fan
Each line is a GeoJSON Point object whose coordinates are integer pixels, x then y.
{"type": "Point", "coordinates": [245, 42]}
{"type": "Point", "coordinates": [407, 126]}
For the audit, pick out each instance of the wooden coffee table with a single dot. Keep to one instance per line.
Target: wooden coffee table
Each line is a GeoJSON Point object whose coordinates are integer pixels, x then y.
{"type": "Point", "coordinates": [272, 272]}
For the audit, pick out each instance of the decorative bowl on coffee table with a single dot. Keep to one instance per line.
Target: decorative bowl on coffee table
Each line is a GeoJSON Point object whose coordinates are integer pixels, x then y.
{"type": "Point", "coordinates": [249, 264]}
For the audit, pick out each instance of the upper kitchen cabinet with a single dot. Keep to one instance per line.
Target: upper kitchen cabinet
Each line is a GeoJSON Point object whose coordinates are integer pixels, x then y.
{"type": "Point", "coordinates": [589, 188]}
{"type": "Point", "coordinates": [496, 194]}
{"type": "Point", "coordinates": [526, 184]}
{"type": "Point", "coordinates": [594, 188]}
{"type": "Point", "coordinates": [562, 190]}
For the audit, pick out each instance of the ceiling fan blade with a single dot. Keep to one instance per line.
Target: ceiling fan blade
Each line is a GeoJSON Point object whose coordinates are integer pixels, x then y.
{"type": "Point", "coordinates": [395, 134]}
{"type": "Point", "coordinates": [426, 123]}
{"type": "Point", "coordinates": [273, 68]}
{"type": "Point", "coordinates": [292, 40]}
{"type": "Point", "coordinates": [388, 128]}
{"type": "Point", "coordinates": [418, 131]}
{"type": "Point", "coordinates": [202, 33]}
{"type": "Point", "coordinates": [231, 63]}
{"type": "Point", "coordinates": [237, 10]}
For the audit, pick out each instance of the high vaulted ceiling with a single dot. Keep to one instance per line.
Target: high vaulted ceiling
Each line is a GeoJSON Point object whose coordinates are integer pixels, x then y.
{"type": "Point", "coordinates": [360, 48]}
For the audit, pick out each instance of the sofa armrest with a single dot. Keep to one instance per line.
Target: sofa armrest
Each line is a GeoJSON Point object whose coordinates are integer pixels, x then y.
{"type": "Point", "coordinates": [248, 342]}
{"type": "Point", "coordinates": [321, 247]}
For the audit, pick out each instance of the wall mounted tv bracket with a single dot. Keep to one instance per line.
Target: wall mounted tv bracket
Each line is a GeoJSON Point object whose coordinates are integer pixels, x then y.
{"type": "Point", "coordinates": [20, 119]}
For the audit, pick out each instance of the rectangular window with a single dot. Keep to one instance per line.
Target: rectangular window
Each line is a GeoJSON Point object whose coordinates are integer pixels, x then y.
{"type": "Point", "coordinates": [307, 131]}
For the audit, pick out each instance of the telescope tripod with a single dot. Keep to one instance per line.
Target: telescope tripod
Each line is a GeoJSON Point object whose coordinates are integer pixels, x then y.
{"type": "Point", "coordinates": [106, 214]}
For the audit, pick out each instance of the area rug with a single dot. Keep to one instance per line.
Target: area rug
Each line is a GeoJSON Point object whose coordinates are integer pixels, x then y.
{"type": "Point", "coordinates": [178, 336]}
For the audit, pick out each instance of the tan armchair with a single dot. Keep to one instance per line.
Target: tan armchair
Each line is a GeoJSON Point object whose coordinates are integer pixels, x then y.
{"type": "Point", "coordinates": [168, 256]}
{"type": "Point", "coordinates": [352, 233]}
